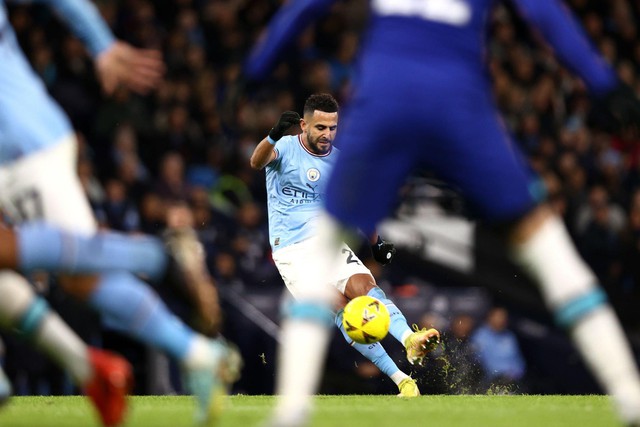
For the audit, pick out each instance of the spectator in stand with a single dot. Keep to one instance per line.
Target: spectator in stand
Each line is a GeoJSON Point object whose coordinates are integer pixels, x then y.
{"type": "Point", "coordinates": [250, 243]}
{"type": "Point", "coordinates": [117, 211]}
{"type": "Point", "coordinates": [171, 184]}
{"type": "Point", "coordinates": [598, 240]}
{"type": "Point", "coordinates": [598, 199]}
{"type": "Point", "coordinates": [627, 293]}
{"type": "Point", "coordinates": [499, 354]}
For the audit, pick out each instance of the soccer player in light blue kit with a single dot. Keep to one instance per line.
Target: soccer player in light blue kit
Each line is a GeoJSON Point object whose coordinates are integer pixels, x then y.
{"type": "Point", "coordinates": [422, 99]}
{"type": "Point", "coordinates": [67, 252]}
{"type": "Point", "coordinates": [39, 182]}
{"type": "Point", "coordinates": [297, 172]}
{"type": "Point", "coordinates": [100, 375]}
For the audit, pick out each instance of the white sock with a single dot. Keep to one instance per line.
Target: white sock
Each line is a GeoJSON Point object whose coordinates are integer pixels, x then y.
{"type": "Point", "coordinates": [51, 333]}
{"type": "Point", "coordinates": [550, 257]}
{"type": "Point", "coordinates": [58, 340]}
{"type": "Point", "coordinates": [200, 353]}
{"type": "Point", "coordinates": [604, 347]}
{"type": "Point", "coordinates": [301, 355]}
{"type": "Point", "coordinates": [405, 336]}
{"type": "Point", "coordinates": [306, 331]}
{"type": "Point", "coordinates": [398, 377]}
{"type": "Point", "coordinates": [563, 277]}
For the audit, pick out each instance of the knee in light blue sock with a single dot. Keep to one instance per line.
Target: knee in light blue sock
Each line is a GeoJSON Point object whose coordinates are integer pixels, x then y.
{"type": "Point", "coordinates": [130, 306]}
{"type": "Point", "coordinates": [398, 326]}
{"type": "Point", "coordinates": [374, 352]}
{"type": "Point", "coordinates": [43, 246]}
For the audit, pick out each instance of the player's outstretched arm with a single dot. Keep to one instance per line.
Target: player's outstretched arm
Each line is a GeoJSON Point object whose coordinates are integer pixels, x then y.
{"type": "Point", "coordinates": [572, 47]}
{"type": "Point", "coordinates": [265, 152]}
{"type": "Point", "coordinates": [282, 31]}
{"type": "Point", "coordinates": [617, 106]}
{"type": "Point", "coordinates": [117, 63]}
{"type": "Point", "coordinates": [262, 155]}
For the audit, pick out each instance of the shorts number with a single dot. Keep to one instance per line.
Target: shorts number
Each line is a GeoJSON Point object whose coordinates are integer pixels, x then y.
{"type": "Point", "coordinates": [28, 205]}
{"type": "Point", "coordinates": [351, 258]}
{"type": "Point", "coordinates": [452, 12]}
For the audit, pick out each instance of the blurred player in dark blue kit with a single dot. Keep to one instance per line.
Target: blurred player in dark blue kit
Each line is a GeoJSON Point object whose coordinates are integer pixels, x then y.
{"type": "Point", "coordinates": [423, 99]}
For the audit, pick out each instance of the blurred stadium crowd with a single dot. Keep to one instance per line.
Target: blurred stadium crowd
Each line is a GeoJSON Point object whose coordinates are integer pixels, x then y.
{"type": "Point", "coordinates": [186, 148]}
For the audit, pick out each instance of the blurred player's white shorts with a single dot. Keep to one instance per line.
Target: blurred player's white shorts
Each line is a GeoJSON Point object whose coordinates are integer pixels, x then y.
{"type": "Point", "coordinates": [44, 185]}
{"type": "Point", "coordinates": [294, 264]}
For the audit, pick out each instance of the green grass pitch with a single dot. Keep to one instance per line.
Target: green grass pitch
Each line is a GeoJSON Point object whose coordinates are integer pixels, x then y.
{"type": "Point", "coordinates": [332, 411]}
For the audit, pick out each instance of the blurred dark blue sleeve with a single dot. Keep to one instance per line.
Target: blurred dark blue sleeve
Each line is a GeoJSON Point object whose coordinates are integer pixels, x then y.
{"type": "Point", "coordinates": [282, 31]}
{"type": "Point", "coordinates": [572, 47]}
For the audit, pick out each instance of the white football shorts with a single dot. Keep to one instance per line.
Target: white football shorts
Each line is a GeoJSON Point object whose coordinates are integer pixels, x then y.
{"type": "Point", "coordinates": [45, 186]}
{"type": "Point", "coordinates": [293, 264]}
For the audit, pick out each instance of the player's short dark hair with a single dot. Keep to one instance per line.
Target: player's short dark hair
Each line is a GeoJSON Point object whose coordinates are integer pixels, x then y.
{"type": "Point", "coordinates": [322, 102]}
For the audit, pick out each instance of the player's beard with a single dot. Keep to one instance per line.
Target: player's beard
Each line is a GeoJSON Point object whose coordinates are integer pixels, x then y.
{"type": "Point", "coordinates": [319, 145]}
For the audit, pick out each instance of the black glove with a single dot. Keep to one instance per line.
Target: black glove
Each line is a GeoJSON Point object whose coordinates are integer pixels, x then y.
{"type": "Point", "coordinates": [286, 120]}
{"type": "Point", "coordinates": [616, 110]}
{"type": "Point", "coordinates": [383, 252]}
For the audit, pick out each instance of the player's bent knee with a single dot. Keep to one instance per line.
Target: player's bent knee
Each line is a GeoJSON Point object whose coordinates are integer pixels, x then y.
{"type": "Point", "coordinates": [358, 285]}
{"type": "Point", "coordinates": [341, 301]}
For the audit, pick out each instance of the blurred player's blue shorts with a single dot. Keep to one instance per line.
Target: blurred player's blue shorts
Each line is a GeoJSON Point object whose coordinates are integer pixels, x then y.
{"type": "Point", "coordinates": [437, 119]}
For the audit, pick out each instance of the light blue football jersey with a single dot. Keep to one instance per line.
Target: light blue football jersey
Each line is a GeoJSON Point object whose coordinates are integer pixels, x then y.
{"type": "Point", "coordinates": [296, 181]}
{"type": "Point", "coordinates": [30, 119]}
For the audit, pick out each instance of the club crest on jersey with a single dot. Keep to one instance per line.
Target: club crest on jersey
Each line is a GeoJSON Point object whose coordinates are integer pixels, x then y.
{"type": "Point", "coordinates": [313, 174]}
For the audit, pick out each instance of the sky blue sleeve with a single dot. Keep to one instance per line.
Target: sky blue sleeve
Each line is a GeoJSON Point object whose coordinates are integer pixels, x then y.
{"type": "Point", "coordinates": [282, 31]}
{"type": "Point", "coordinates": [275, 162]}
{"type": "Point", "coordinates": [282, 150]}
{"type": "Point", "coordinates": [572, 47]}
{"type": "Point", "coordinates": [85, 21]}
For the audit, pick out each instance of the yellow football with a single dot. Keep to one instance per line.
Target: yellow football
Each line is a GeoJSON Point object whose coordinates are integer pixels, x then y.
{"type": "Point", "coordinates": [366, 319]}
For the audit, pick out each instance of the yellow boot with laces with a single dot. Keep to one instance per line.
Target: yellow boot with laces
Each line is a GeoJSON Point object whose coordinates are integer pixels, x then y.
{"type": "Point", "coordinates": [421, 342]}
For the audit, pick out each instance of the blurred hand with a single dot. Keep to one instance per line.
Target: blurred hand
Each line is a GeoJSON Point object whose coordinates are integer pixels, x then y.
{"type": "Point", "coordinates": [617, 110]}
{"type": "Point", "coordinates": [140, 70]}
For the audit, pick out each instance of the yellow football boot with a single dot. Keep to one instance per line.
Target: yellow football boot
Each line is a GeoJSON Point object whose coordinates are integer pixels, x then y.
{"type": "Point", "coordinates": [421, 342]}
{"type": "Point", "coordinates": [408, 388]}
